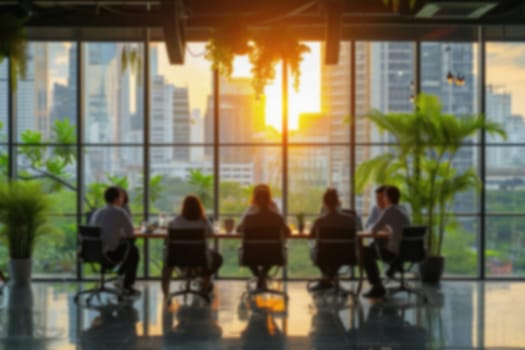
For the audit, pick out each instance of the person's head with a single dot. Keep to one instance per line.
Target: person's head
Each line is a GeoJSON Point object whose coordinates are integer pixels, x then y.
{"type": "Point", "coordinates": [113, 195]}
{"type": "Point", "coordinates": [262, 196]}
{"type": "Point", "coordinates": [192, 208]}
{"type": "Point", "coordinates": [125, 197]}
{"type": "Point", "coordinates": [331, 199]}
{"type": "Point", "coordinates": [392, 195]}
{"type": "Point", "coordinates": [380, 196]}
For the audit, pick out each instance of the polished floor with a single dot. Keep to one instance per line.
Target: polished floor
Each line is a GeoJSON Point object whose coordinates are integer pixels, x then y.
{"type": "Point", "coordinates": [460, 315]}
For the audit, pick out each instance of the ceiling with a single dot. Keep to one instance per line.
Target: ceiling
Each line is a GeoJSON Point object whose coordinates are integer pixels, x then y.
{"type": "Point", "coordinates": [310, 19]}
{"type": "Point", "coordinates": [200, 15]}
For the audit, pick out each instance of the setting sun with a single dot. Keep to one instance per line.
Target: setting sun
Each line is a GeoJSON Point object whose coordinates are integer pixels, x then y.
{"type": "Point", "coordinates": [306, 99]}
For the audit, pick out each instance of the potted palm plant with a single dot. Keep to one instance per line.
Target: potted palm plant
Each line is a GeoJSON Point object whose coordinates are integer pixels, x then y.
{"type": "Point", "coordinates": [421, 162]}
{"type": "Point", "coordinates": [23, 215]}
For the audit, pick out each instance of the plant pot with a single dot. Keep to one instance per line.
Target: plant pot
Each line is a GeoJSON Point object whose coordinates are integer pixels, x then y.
{"type": "Point", "coordinates": [20, 271]}
{"type": "Point", "coordinates": [431, 270]}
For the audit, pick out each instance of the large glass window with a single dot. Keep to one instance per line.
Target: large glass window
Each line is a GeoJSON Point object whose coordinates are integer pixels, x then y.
{"type": "Point", "coordinates": [321, 152]}
{"type": "Point", "coordinates": [505, 182]}
{"type": "Point", "coordinates": [46, 147]}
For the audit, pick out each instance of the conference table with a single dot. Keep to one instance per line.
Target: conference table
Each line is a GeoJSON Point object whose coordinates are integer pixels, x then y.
{"type": "Point", "coordinates": [362, 236]}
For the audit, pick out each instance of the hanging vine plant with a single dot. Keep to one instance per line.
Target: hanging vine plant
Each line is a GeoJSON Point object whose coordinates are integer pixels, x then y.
{"type": "Point", "coordinates": [13, 44]}
{"type": "Point", "coordinates": [224, 43]}
{"type": "Point", "coordinates": [271, 46]}
{"type": "Point", "coordinates": [131, 58]}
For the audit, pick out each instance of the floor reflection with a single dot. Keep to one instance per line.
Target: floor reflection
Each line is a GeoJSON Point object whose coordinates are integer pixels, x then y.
{"type": "Point", "coordinates": [266, 320]}
{"type": "Point", "coordinates": [114, 327]}
{"type": "Point", "coordinates": [462, 315]}
{"type": "Point", "coordinates": [194, 321]}
{"type": "Point", "coordinates": [21, 325]}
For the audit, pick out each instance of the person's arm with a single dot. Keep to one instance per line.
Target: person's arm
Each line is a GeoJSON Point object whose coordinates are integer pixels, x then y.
{"type": "Point", "coordinates": [286, 229]}
{"type": "Point", "coordinates": [126, 224]}
{"type": "Point", "coordinates": [383, 220]}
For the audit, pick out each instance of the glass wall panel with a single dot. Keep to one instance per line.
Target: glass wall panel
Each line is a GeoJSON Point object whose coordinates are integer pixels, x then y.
{"type": "Point", "coordinates": [335, 101]}
{"type": "Point", "coordinates": [505, 77]}
{"type": "Point", "coordinates": [505, 182]}
{"type": "Point", "coordinates": [113, 93]}
{"type": "Point", "coordinates": [46, 95]}
{"type": "Point", "coordinates": [243, 167]}
{"type": "Point", "coordinates": [118, 165]}
{"type": "Point", "coordinates": [3, 101]}
{"type": "Point", "coordinates": [505, 246]}
{"type": "Point", "coordinates": [3, 118]}
{"type": "Point", "coordinates": [181, 100]}
{"type": "Point", "coordinates": [172, 180]}
{"type": "Point", "coordinates": [449, 71]}
{"type": "Point", "coordinates": [384, 82]}
{"type": "Point", "coordinates": [311, 170]}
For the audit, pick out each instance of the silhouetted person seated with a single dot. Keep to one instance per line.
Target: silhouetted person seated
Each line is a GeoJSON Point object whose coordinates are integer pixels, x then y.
{"type": "Point", "coordinates": [262, 215]}
{"type": "Point", "coordinates": [114, 328]}
{"type": "Point", "coordinates": [192, 216]}
{"type": "Point", "coordinates": [394, 219]}
{"type": "Point", "coordinates": [333, 219]}
{"type": "Point", "coordinates": [117, 234]}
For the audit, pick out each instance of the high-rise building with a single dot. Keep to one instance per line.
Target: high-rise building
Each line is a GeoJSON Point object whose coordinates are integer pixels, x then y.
{"type": "Point", "coordinates": [64, 95]}
{"type": "Point", "coordinates": [181, 123]}
{"type": "Point", "coordinates": [161, 126]}
{"type": "Point", "coordinates": [498, 109]}
{"type": "Point", "coordinates": [241, 118]}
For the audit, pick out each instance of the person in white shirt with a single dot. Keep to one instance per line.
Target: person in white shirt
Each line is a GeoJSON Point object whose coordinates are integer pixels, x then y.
{"type": "Point", "coordinates": [117, 231]}
{"type": "Point", "coordinates": [192, 216]}
{"type": "Point", "coordinates": [393, 218]}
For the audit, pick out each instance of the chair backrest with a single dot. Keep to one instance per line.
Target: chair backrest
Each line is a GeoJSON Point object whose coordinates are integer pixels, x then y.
{"type": "Point", "coordinates": [335, 246]}
{"type": "Point", "coordinates": [186, 248]}
{"type": "Point", "coordinates": [412, 247]}
{"type": "Point", "coordinates": [90, 238]}
{"type": "Point", "coordinates": [262, 246]}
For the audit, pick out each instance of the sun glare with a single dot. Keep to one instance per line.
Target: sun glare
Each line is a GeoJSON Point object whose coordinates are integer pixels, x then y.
{"type": "Point", "coordinates": [306, 99]}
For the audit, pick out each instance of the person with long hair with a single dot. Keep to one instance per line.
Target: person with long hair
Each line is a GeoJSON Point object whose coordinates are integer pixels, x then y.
{"type": "Point", "coordinates": [192, 216]}
{"type": "Point", "coordinates": [262, 215]}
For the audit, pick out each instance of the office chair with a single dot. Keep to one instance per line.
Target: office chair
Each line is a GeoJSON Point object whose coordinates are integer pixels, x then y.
{"type": "Point", "coordinates": [91, 252]}
{"type": "Point", "coordinates": [335, 247]}
{"type": "Point", "coordinates": [263, 246]}
{"type": "Point", "coordinates": [411, 251]}
{"type": "Point", "coordinates": [187, 251]}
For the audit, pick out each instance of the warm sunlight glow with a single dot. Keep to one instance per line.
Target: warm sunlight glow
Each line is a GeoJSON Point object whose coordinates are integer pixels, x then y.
{"type": "Point", "coordinates": [197, 78]}
{"type": "Point", "coordinates": [306, 99]}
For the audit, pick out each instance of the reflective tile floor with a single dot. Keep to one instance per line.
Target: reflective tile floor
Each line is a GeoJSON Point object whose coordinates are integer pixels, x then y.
{"type": "Point", "coordinates": [461, 315]}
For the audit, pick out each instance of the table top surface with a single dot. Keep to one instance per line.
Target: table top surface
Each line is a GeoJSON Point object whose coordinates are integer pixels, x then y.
{"type": "Point", "coordinates": [161, 234]}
